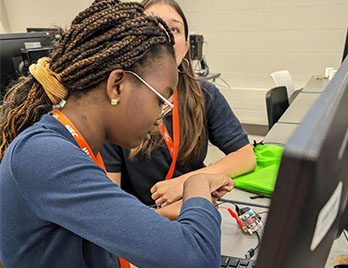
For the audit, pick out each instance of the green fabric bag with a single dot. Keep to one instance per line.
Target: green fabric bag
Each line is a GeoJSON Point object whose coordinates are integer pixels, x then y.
{"type": "Point", "coordinates": [262, 180]}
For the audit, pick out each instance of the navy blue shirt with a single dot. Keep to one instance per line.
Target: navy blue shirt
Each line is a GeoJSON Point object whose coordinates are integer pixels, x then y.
{"type": "Point", "coordinates": [59, 209]}
{"type": "Point", "coordinates": [139, 175]}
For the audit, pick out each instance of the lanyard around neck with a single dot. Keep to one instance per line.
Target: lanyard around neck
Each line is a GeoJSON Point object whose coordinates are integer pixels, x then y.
{"type": "Point", "coordinates": [65, 121]}
{"type": "Point", "coordinates": [75, 133]}
{"type": "Point", "coordinates": [172, 144]}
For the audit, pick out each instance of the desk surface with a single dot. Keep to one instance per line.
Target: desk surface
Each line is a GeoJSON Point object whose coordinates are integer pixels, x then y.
{"type": "Point", "coordinates": [316, 84]}
{"type": "Point", "coordinates": [280, 133]}
{"type": "Point", "coordinates": [299, 108]}
{"type": "Point", "coordinates": [236, 243]}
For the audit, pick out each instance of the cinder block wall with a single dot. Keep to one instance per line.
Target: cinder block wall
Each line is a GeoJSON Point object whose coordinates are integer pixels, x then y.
{"type": "Point", "coordinates": [249, 39]}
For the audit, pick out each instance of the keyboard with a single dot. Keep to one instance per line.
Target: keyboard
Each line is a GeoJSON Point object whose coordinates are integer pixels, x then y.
{"type": "Point", "coordinates": [232, 262]}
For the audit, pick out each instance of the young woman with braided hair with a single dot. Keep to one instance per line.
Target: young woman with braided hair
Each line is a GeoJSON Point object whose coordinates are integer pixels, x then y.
{"type": "Point", "coordinates": [58, 208]}
{"type": "Point", "coordinates": [203, 114]}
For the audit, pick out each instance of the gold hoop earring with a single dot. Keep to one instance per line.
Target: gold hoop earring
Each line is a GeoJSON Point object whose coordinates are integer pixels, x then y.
{"type": "Point", "coordinates": [186, 71]}
{"type": "Point", "coordinates": [114, 101]}
{"type": "Point", "coordinates": [181, 66]}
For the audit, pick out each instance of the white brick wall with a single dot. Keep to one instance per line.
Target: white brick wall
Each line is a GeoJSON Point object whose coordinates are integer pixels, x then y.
{"type": "Point", "coordinates": [249, 39]}
{"type": "Point", "coordinates": [4, 24]}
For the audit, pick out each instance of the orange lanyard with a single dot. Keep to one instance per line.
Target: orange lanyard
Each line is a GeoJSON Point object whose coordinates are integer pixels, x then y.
{"type": "Point", "coordinates": [75, 133]}
{"type": "Point", "coordinates": [61, 117]}
{"type": "Point", "coordinates": [173, 147]}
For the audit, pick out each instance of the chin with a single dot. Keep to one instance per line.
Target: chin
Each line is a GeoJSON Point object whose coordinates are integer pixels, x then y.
{"type": "Point", "coordinates": [133, 144]}
{"type": "Point", "coordinates": [129, 142]}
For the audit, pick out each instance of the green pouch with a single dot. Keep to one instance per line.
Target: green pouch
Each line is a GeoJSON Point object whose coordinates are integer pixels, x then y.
{"type": "Point", "coordinates": [262, 180]}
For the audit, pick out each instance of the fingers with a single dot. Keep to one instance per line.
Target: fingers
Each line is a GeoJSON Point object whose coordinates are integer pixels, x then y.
{"type": "Point", "coordinates": [160, 202]}
{"type": "Point", "coordinates": [218, 194]}
{"type": "Point", "coordinates": [165, 204]}
{"type": "Point", "coordinates": [167, 192]}
{"type": "Point", "coordinates": [155, 196]}
{"type": "Point", "coordinates": [231, 183]}
{"type": "Point", "coordinates": [163, 200]}
{"type": "Point", "coordinates": [154, 188]}
{"type": "Point", "coordinates": [227, 188]}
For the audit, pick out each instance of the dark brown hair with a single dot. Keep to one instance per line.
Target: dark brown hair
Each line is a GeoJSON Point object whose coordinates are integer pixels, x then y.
{"type": "Point", "coordinates": [107, 35]}
{"type": "Point", "coordinates": [191, 105]}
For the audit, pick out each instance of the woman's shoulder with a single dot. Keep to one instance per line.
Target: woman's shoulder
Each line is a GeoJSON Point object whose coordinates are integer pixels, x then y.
{"type": "Point", "coordinates": [210, 91]}
{"type": "Point", "coordinates": [47, 136]}
{"type": "Point", "coordinates": [212, 95]}
{"type": "Point", "coordinates": [207, 87]}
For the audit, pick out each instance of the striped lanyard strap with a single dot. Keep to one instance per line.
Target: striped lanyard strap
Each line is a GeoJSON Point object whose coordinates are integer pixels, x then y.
{"type": "Point", "coordinates": [172, 144]}
{"type": "Point", "coordinates": [75, 133]}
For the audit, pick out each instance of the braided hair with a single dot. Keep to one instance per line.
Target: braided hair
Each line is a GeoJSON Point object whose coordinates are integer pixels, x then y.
{"type": "Point", "coordinates": [107, 35]}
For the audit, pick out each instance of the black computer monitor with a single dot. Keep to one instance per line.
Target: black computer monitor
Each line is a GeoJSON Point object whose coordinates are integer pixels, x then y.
{"type": "Point", "coordinates": [309, 204]}
{"type": "Point", "coordinates": [345, 50]}
{"type": "Point", "coordinates": [53, 33]}
{"type": "Point", "coordinates": [14, 47]}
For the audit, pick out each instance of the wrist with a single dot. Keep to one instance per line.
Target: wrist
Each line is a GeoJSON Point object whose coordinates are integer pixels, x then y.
{"type": "Point", "coordinates": [196, 186]}
{"type": "Point", "coordinates": [184, 177]}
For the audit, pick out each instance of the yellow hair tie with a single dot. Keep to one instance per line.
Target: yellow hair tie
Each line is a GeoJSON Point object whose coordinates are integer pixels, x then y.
{"type": "Point", "coordinates": [50, 81]}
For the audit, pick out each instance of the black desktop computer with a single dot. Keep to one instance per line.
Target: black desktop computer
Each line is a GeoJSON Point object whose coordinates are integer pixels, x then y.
{"type": "Point", "coordinates": [53, 33]}
{"type": "Point", "coordinates": [18, 51]}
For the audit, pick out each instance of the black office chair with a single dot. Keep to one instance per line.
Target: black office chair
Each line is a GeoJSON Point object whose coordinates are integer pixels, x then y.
{"type": "Point", "coordinates": [276, 102]}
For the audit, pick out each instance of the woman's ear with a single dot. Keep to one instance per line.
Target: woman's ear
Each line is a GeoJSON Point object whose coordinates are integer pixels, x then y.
{"type": "Point", "coordinates": [187, 46]}
{"type": "Point", "coordinates": [179, 58]}
{"type": "Point", "coordinates": [114, 82]}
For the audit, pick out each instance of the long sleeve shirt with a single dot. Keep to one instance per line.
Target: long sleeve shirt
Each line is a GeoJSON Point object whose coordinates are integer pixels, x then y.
{"type": "Point", "coordinates": [59, 209]}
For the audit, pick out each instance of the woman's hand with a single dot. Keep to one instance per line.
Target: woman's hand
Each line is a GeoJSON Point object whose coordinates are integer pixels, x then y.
{"type": "Point", "coordinates": [220, 184]}
{"type": "Point", "coordinates": [168, 191]}
{"type": "Point", "coordinates": [209, 186]}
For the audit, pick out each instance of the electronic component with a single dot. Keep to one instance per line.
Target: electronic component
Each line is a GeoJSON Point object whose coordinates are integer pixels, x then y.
{"type": "Point", "coordinates": [196, 46]}
{"type": "Point", "coordinates": [250, 220]}
{"type": "Point", "coordinates": [154, 207]}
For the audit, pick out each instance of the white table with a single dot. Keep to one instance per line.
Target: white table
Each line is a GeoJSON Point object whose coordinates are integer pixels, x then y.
{"type": "Point", "coordinates": [299, 108]}
{"type": "Point", "coordinates": [280, 133]}
{"type": "Point", "coordinates": [316, 84]}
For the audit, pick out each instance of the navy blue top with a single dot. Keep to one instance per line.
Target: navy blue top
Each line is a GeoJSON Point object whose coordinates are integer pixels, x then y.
{"type": "Point", "coordinates": [139, 175]}
{"type": "Point", "coordinates": [59, 209]}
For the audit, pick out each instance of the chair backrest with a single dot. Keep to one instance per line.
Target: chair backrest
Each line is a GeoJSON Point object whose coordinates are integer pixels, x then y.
{"type": "Point", "coordinates": [276, 102]}
{"type": "Point", "coordinates": [283, 78]}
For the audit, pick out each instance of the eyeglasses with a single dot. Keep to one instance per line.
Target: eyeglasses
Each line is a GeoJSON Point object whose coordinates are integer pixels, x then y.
{"type": "Point", "coordinates": [167, 106]}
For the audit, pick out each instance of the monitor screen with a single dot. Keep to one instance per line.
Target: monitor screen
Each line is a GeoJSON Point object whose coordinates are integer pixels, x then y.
{"type": "Point", "coordinates": [11, 59]}
{"type": "Point", "coordinates": [309, 204]}
{"type": "Point", "coordinates": [53, 33]}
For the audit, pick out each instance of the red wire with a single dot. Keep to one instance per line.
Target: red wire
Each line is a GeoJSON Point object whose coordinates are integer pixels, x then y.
{"type": "Point", "coordinates": [234, 215]}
